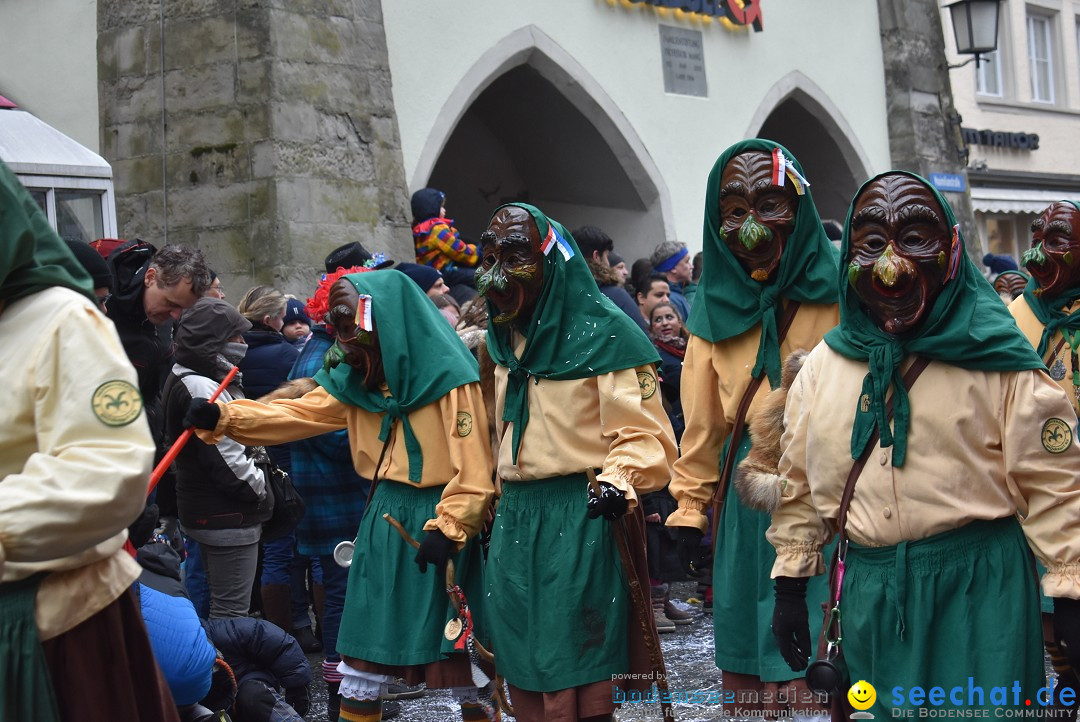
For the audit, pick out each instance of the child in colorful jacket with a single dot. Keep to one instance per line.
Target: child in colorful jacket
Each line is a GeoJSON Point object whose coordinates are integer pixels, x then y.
{"type": "Point", "coordinates": [437, 242]}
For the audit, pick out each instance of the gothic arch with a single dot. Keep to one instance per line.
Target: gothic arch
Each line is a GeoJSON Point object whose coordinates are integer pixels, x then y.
{"type": "Point", "coordinates": [632, 203]}
{"type": "Point", "coordinates": [797, 113]}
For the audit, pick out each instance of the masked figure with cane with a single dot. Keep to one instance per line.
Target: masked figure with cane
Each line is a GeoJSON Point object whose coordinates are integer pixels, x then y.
{"type": "Point", "coordinates": [576, 391]}
{"type": "Point", "coordinates": [408, 391]}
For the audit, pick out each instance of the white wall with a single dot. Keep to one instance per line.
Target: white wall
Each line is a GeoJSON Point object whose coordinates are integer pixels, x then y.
{"type": "Point", "coordinates": [835, 44]}
{"type": "Point", "coordinates": [48, 63]}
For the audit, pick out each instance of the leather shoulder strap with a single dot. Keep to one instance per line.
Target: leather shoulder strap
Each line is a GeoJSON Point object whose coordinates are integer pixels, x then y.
{"type": "Point", "coordinates": [739, 427]}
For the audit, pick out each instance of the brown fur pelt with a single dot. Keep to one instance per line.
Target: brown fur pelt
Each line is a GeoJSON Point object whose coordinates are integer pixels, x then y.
{"type": "Point", "coordinates": [290, 390]}
{"type": "Point", "coordinates": [756, 479]}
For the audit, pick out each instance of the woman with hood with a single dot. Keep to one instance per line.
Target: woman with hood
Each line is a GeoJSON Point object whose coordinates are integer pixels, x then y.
{"type": "Point", "coordinates": [221, 494]}
{"type": "Point", "coordinates": [765, 292]}
{"type": "Point", "coordinates": [399, 379]}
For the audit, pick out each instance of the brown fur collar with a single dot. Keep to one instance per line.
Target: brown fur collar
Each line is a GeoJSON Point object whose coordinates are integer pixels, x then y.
{"type": "Point", "coordinates": [756, 478]}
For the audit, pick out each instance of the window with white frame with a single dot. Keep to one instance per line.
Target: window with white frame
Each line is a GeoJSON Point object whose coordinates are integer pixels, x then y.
{"type": "Point", "coordinates": [988, 74]}
{"type": "Point", "coordinates": [1041, 57]}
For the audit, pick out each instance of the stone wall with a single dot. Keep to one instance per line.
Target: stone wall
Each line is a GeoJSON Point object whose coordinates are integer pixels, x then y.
{"type": "Point", "coordinates": [279, 139]}
{"type": "Point", "coordinates": [924, 132]}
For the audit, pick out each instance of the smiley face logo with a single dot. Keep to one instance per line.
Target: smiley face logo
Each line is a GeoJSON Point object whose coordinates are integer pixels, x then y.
{"type": "Point", "coordinates": [862, 695]}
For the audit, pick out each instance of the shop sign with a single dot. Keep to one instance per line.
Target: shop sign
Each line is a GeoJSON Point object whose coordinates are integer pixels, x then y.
{"type": "Point", "coordinates": [1001, 139]}
{"type": "Point", "coordinates": [732, 14]}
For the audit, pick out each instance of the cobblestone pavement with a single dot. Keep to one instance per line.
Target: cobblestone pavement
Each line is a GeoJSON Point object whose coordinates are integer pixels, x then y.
{"type": "Point", "coordinates": [688, 653]}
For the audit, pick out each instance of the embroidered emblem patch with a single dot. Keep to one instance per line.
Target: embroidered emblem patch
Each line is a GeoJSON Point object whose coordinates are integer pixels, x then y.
{"type": "Point", "coordinates": [864, 403]}
{"type": "Point", "coordinates": [1056, 436]}
{"type": "Point", "coordinates": [647, 382]}
{"type": "Point", "coordinates": [116, 403]}
{"type": "Point", "coordinates": [464, 423]}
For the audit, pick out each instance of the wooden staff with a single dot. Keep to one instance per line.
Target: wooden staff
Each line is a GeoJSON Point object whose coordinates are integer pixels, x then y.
{"type": "Point", "coordinates": [486, 655]}
{"type": "Point", "coordinates": [174, 450]}
{"type": "Point", "coordinates": [643, 609]}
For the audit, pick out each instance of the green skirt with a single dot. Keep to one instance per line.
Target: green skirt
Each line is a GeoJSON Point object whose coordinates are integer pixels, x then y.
{"type": "Point", "coordinates": [743, 597]}
{"type": "Point", "coordinates": [394, 615]}
{"type": "Point", "coordinates": [24, 675]}
{"type": "Point", "coordinates": [955, 610]}
{"type": "Point", "coordinates": [558, 597]}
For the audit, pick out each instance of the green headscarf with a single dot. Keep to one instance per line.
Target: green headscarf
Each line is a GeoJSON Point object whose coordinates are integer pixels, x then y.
{"type": "Point", "coordinates": [1048, 310]}
{"type": "Point", "coordinates": [422, 357]}
{"type": "Point", "coordinates": [575, 331]}
{"type": "Point", "coordinates": [32, 255]}
{"type": "Point", "coordinates": [968, 326]}
{"type": "Point", "coordinates": [729, 302]}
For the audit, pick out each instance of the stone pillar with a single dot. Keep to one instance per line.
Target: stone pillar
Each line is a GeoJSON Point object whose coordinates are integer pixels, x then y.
{"type": "Point", "coordinates": [263, 133]}
{"type": "Point", "coordinates": [924, 128]}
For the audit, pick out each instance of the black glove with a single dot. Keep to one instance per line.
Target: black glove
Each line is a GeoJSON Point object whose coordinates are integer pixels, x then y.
{"type": "Point", "coordinates": [435, 549]}
{"type": "Point", "coordinates": [202, 414]}
{"type": "Point", "coordinates": [611, 504]}
{"type": "Point", "coordinates": [142, 529]}
{"type": "Point", "coordinates": [790, 623]}
{"type": "Point", "coordinates": [1067, 628]}
{"type": "Point", "coordinates": [169, 529]}
{"type": "Point", "coordinates": [688, 546]}
{"type": "Point", "coordinates": [298, 699]}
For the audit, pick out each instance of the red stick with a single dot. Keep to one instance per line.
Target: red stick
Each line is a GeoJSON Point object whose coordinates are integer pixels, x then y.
{"type": "Point", "coordinates": [174, 450]}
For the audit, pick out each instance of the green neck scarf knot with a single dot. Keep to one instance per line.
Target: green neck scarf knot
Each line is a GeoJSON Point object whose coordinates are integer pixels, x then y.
{"type": "Point", "coordinates": [393, 413]}
{"type": "Point", "coordinates": [768, 355]}
{"type": "Point", "coordinates": [516, 407]}
{"type": "Point", "coordinates": [1050, 314]}
{"type": "Point", "coordinates": [884, 362]}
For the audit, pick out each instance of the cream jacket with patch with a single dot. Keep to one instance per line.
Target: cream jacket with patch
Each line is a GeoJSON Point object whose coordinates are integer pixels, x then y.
{"type": "Point", "coordinates": [452, 432]}
{"type": "Point", "coordinates": [70, 483]}
{"type": "Point", "coordinates": [981, 445]}
{"type": "Point", "coordinates": [714, 378]}
{"type": "Point", "coordinates": [1032, 328]}
{"type": "Point", "coordinates": [614, 422]}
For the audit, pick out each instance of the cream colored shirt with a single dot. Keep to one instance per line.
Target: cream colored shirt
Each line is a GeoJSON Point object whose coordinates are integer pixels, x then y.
{"type": "Point", "coordinates": [1032, 327]}
{"type": "Point", "coordinates": [75, 456]}
{"type": "Point", "coordinates": [452, 432]}
{"type": "Point", "coordinates": [614, 422]}
{"type": "Point", "coordinates": [981, 445]}
{"type": "Point", "coordinates": [714, 378]}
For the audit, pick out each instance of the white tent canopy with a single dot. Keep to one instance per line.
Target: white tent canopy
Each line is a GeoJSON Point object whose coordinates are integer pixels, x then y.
{"type": "Point", "coordinates": [32, 147]}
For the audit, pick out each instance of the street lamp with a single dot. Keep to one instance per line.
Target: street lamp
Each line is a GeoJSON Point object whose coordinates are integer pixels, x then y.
{"type": "Point", "coordinates": [975, 26]}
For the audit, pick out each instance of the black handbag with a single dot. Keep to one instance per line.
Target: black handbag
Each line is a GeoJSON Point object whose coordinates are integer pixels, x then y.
{"type": "Point", "coordinates": [288, 506]}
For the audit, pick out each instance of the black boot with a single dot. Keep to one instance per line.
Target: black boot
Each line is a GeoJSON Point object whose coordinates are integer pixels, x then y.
{"type": "Point", "coordinates": [333, 701]}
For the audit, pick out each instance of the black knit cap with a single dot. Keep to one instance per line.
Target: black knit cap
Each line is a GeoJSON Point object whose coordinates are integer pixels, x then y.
{"type": "Point", "coordinates": [94, 264]}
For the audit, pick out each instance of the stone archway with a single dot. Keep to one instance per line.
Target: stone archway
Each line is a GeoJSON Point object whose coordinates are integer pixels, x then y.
{"type": "Point", "coordinates": [799, 115]}
{"type": "Point", "coordinates": [527, 122]}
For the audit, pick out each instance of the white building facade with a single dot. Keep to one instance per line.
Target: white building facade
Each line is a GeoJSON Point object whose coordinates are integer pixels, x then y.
{"type": "Point", "coordinates": [1021, 119]}
{"type": "Point", "coordinates": [565, 104]}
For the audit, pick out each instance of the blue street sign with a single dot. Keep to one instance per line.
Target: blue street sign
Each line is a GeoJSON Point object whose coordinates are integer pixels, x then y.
{"type": "Point", "coordinates": [948, 182]}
